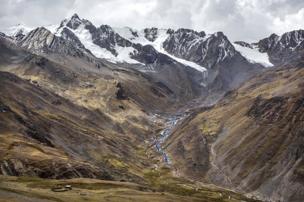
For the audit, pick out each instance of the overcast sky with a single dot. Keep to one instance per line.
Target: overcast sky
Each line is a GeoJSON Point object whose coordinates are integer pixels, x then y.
{"type": "Point", "coordinates": [239, 19]}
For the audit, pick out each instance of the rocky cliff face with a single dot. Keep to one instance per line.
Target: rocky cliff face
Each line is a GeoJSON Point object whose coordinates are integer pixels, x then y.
{"type": "Point", "coordinates": [226, 67]}
{"type": "Point", "coordinates": [103, 36]}
{"type": "Point", "coordinates": [42, 40]}
{"type": "Point", "coordinates": [207, 51]}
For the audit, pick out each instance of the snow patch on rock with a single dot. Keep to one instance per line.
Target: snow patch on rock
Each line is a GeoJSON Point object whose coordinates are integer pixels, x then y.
{"type": "Point", "coordinates": [253, 55]}
{"type": "Point", "coordinates": [162, 35]}
{"type": "Point", "coordinates": [123, 53]}
{"type": "Point", "coordinates": [158, 45]}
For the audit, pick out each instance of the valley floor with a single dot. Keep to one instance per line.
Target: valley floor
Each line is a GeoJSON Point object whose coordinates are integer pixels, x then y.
{"type": "Point", "coordinates": [24, 189]}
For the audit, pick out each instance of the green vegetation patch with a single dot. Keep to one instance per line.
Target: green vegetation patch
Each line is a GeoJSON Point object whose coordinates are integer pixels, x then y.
{"type": "Point", "coordinates": [210, 127]}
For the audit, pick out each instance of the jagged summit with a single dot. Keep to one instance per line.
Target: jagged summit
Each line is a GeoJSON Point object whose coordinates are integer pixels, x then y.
{"type": "Point", "coordinates": [73, 22]}
{"type": "Point", "coordinates": [42, 40]}
{"type": "Point", "coordinates": [280, 49]}
{"type": "Point", "coordinates": [75, 16]}
{"type": "Point", "coordinates": [290, 40]}
{"type": "Point", "coordinates": [206, 50]}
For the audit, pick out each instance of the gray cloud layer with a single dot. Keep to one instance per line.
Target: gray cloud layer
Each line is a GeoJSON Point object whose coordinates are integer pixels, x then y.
{"type": "Point", "coordinates": [239, 19]}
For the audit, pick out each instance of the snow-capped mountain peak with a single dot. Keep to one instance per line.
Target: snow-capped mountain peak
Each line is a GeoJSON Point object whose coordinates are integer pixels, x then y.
{"type": "Point", "coordinates": [17, 31]}
{"type": "Point", "coordinates": [205, 50]}
{"type": "Point", "coordinates": [73, 22]}
{"type": "Point", "coordinates": [102, 41]}
{"type": "Point", "coordinates": [276, 49]}
{"type": "Point", "coordinates": [151, 33]}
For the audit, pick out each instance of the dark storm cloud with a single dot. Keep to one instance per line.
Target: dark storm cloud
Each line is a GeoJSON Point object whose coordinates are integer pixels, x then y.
{"type": "Point", "coordinates": [239, 19]}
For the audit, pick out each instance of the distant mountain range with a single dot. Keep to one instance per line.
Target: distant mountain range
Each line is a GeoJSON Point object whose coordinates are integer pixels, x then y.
{"type": "Point", "coordinates": [206, 54]}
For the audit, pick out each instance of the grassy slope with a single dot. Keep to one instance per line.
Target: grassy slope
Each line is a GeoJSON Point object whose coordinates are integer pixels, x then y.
{"type": "Point", "coordinates": [99, 190]}
{"type": "Point", "coordinates": [253, 134]}
{"type": "Point", "coordinates": [92, 115]}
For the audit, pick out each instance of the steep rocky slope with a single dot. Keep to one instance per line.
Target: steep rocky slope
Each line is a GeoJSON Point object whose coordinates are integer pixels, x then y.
{"type": "Point", "coordinates": [251, 141]}
{"type": "Point", "coordinates": [42, 40]}
{"type": "Point", "coordinates": [226, 67]}
{"type": "Point", "coordinates": [40, 134]}
{"type": "Point", "coordinates": [62, 104]}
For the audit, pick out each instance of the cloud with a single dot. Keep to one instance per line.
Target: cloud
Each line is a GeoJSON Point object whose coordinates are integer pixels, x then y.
{"type": "Point", "coordinates": [32, 12]}
{"type": "Point", "coordinates": [239, 19]}
{"type": "Point", "coordinates": [289, 22]}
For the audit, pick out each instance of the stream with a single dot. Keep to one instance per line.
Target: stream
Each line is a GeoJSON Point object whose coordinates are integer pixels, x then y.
{"type": "Point", "coordinates": [173, 121]}
{"type": "Point", "coordinates": [158, 141]}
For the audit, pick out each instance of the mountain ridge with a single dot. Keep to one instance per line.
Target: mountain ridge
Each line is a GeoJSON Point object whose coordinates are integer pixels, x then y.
{"type": "Point", "coordinates": [105, 43]}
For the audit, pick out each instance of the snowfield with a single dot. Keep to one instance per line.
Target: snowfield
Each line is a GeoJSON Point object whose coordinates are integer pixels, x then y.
{"type": "Point", "coordinates": [86, 39]}
{"type": "Point", "coordinates": [161, 37]}
{"type": "Point", "coordinates": [253, 55]}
